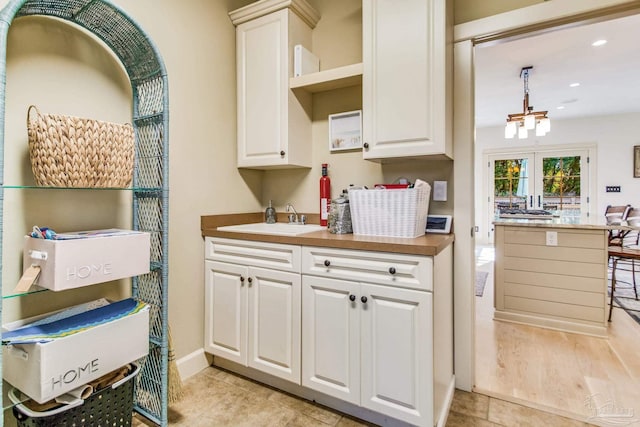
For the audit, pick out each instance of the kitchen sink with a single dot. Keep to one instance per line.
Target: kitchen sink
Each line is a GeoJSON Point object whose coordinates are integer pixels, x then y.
{"type": "Point", "coordinates": [278, 229]}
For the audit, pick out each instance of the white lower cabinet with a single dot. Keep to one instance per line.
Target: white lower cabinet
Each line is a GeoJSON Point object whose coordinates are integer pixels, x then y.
{"type": "Point", "coordinates": [252, 315]}
{"type": "Point", "coordinates": [368, 344]}
{"type": "Point", "coordinates": [373, 329]}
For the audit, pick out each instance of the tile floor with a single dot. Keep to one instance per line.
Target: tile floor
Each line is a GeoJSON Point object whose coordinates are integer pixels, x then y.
{"type": "Point", "coordinates": [215, 397]}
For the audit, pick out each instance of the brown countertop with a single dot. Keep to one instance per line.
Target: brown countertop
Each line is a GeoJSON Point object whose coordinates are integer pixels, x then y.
{"type": "Point", "coordinates": [429, 244]}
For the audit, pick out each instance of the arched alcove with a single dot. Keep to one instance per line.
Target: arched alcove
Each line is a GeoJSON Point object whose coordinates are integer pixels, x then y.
{"type": "Point", "coordinates": [150, 119]}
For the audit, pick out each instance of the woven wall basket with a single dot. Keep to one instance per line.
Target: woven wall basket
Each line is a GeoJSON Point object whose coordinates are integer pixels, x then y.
{"type": "Point", "coordinates": [74, 152]}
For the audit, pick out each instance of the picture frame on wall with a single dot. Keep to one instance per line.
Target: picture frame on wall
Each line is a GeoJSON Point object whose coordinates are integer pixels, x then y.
{"type": "Point", "coordinates": [636, 161]}
{"type": "Point", "coordinates": [345, 131]}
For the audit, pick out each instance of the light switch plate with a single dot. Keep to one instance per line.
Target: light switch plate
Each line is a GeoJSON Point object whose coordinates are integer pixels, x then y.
{"type": "Point", "coordinates": [440, 191]}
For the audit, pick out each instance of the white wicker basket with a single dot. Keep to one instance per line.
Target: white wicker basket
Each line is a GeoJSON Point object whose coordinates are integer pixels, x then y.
{"type": "Point", "coordinates": [390, 213]}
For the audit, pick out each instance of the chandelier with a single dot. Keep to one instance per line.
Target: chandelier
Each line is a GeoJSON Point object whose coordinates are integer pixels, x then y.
{"type": "Point", "coordinates": [522, 123]}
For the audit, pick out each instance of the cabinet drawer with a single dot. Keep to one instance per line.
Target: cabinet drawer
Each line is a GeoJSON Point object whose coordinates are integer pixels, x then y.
{"type": "Point", "coordinates": [256, 254]}
{"type": "Point", "coordinates": [407, 271]}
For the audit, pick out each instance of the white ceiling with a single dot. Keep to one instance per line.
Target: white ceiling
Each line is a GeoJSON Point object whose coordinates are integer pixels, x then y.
{"type": "Point", "coordinates": [609, 75]}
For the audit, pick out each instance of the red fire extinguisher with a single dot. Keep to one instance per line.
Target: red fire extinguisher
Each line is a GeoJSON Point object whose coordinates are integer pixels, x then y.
{"type": "Point", "coordinates": [325, 195]}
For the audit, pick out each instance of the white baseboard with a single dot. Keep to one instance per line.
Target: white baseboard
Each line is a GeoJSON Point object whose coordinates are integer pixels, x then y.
{"type": "Point", "coordinates": [444, 414]}
{"type": "Point", "coordinates": [599, 331]}
{"type": "Point", "coordinates": [193, 363]}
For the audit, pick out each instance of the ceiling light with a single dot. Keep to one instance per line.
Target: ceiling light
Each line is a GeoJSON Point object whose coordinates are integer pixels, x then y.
{"type": "Point", "coordinates": [599, 42]}
{"type": "Point", "coordinates": [561, 107]}
{"type": "Point", "coordinates": [574, 85]}
{"type": "Point", "coordinates": [528, 119]}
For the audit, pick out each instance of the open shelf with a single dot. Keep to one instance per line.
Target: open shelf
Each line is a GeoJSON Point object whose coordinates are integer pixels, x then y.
{"type": "Point", "coordinates": [33, 290]}
{"type": "Point", "coordinates": [335, 78]}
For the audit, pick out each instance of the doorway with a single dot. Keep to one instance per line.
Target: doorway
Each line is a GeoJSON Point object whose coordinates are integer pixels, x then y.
{"type": "Point", "coordinates": [538, 19]}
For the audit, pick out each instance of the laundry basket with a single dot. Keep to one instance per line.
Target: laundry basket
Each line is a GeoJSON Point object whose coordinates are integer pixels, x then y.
{"type": "Point", "coordinates": [390, 213]}
{"type": "Point", "coordinates": [111, 406]}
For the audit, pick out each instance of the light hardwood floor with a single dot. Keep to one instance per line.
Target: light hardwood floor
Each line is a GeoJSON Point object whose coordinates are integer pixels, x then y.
{"type": "Point", "coordinates": [578, 376]}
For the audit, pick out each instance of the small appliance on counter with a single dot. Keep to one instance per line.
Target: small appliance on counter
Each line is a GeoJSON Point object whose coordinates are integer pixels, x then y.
{"type": "Point", "coordinates": [439, 224]}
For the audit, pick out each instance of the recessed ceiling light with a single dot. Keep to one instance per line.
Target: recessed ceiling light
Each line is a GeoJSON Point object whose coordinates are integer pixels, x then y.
{"type": "Point", "coordinates": [599, 42]}
{"type": "Point", "coordinates": [561, 107]}
{"type": "Point", "coordinates": [574, 85]}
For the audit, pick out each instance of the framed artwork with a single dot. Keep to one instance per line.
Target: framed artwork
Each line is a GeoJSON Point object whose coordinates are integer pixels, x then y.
{"type": "Point", "coordinates": [636, 161]}
{"type": "Point", "coordinates": [345, 131]}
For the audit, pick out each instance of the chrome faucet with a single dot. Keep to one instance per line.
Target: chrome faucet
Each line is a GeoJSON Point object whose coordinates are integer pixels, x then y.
{"type": "Point", "coordinates": [293, 218]}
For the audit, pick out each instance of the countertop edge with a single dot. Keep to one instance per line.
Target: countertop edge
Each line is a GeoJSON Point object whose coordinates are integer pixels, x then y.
{"type": "Point", "coordinates": [539, 223]}
{"type": "Point", "coordinates": [427, 245]}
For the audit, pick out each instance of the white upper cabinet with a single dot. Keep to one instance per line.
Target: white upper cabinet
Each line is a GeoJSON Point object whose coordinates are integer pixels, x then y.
{"type": "Point", "coordinates": [274, 124]}
{"type": "Point", "coordinates": [407, 78]}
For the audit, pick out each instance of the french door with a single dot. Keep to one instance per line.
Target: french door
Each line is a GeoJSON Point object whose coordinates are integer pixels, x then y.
{"type": "Point", "coordinates": [557, 181]}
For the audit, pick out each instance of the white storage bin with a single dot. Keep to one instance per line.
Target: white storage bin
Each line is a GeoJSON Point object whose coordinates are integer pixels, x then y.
{"type": "Point", "coordinates": [390, 213]}
{"type": "Point", "coordinates": [98, 256]}
{"type": "Point", "coordinates": [46, 370]}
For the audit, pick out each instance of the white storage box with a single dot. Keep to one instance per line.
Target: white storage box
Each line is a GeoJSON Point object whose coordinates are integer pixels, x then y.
{"type": "Point", "coordinates": [94, 257]}
{"type": "Point", "coordinates": [390, 213]}
{"type": "Point", "coordinates": [44, 371]}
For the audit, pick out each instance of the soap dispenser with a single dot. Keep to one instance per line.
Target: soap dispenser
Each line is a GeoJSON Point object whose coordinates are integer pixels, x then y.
{"type": "Point", "coordinates": [270, 214]}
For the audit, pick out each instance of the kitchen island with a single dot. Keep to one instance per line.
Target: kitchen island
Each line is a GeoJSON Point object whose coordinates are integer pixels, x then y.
{"type": "Point", "coordinates": [552, 273]}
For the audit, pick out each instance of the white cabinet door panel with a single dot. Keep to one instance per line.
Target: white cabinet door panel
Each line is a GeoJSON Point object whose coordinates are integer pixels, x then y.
{"type": "Point", "coordinates": [407, 120]}
{"type": "Point", "coordinates": [406, 80]}
{"type": "Point", "coordinates": [262, 89]}
{"type": "Point", "coordinates": [397, 353]}
{"type": "Point", "coordinates": [226, 311]}
{"type": "Point", "coordinates": [331, 341]}
{"type": "Point", "coordinates": [274, 323]}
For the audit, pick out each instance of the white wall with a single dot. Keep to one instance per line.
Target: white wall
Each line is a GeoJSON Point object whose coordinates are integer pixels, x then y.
{"type": "Point", "coordinates": [614, 136]}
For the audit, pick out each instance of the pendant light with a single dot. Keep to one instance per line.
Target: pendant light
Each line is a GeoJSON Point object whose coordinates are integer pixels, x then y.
{"type": "Point", "coordinates": [521, 123]}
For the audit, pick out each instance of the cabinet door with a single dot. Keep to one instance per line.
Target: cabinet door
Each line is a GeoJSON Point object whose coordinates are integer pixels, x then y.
{"type": "Point", "coordinates": [274, 322]}
{"type": "Point", "coordinates": [263, 83]}
{"type": "Point", "coordinates": [331, 337]}
{"type": "Point", "coordinates": [405, 90]}
{"type": "Point", "coordinates": [397, 353]}
{"type": "Point", "coordinates": [226, 311]}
